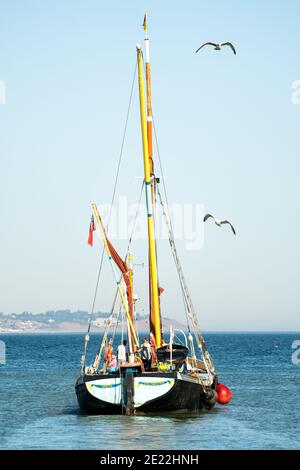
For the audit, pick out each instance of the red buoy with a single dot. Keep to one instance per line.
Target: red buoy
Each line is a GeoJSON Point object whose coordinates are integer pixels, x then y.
{"type": "Point", "coordinates": [224, 394]}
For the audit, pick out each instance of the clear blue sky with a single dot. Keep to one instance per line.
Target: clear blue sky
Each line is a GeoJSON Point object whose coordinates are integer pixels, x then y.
{"type": "Point", "coordinates": [229, 139]}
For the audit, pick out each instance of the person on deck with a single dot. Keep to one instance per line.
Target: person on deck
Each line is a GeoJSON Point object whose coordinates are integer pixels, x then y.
{"type": "Point", "coordinates": [122, 357]}
{"type": "Point", "coordinates": [108, 354]}
{"type": "Point", "coordinates": [113, 364]}
{"type": "Point", "coordinates": [145, 351]}
{"type": "Point", "coordinates": [187, 366]}
{"type": "Point", "coordinates": [153, 348]}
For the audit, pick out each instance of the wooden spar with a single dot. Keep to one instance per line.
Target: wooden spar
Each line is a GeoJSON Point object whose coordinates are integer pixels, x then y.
{"type": "Point", "coordinates": [130, 336]}
{"type": "Point", "coordinates": [147, 175]}
{"type": "Point", "coordinates": [149, 98]}
{"type": "Point", "coordinates": [150, 152]}
{"type": "Point", "coordinates": [123, 299]}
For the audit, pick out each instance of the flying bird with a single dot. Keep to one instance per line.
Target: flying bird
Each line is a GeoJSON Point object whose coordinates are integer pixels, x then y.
{"type": "Point", "coordinates": [219, 46]}
{"type": "Point", "coordinates": [219, 222]}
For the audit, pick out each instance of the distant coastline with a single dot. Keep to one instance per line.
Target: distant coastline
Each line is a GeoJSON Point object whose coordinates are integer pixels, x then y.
{"type": "Point", "coordinates": [65, 321]}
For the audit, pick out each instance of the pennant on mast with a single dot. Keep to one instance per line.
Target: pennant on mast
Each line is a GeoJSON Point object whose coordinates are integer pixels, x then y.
{"type": "Point", "coordinates": [145, 23]}
{"type": "Point", "coordinates": [91, 232]}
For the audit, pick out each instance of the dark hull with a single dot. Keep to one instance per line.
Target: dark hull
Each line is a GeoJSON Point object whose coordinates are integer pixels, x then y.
{"type": "Point", "coordinates": [90, 405]}
{"type": "Point", "coordinates": [185, 395]}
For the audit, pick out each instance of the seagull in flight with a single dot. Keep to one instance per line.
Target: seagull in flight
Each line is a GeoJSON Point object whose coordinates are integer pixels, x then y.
{"type": "Point", "coordinates": [219, 222]}
{"type": "Point", "coordinates": [218, 46]}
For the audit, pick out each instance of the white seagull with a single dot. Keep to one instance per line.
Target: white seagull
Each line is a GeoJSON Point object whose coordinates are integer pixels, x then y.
{"type": "Point", "coordinates": [218, 46]}
{"type": "Point", "coordinates": [219, 222]}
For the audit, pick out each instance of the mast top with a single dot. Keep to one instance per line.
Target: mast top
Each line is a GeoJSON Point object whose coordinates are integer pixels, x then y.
{"type": "Point", "coordinates": [145, 23]}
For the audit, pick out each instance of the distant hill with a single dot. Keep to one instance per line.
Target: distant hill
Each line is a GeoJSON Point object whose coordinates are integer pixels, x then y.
{"type": "Point", "coordinates": [66, 321]}
{"type": "Point", "coordinates": [57, 316]}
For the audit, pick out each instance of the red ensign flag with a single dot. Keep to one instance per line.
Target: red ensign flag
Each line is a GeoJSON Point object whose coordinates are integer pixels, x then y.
{"type": "Point", "coordinates": [91, 231]}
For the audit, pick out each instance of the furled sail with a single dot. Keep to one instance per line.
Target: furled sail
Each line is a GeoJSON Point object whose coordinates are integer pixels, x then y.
{"type": "Point", "coordinates": [122, 265]}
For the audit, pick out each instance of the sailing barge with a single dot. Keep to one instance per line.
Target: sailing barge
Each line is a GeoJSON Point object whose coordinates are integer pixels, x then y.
{"type": "Point", "coordinates": [178, 377]}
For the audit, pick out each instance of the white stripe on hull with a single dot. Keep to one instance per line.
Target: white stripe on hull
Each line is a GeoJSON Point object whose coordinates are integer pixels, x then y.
{"type": "Point", "coordinates": [108, 390]}
{"type": "Point", "coordinates": [150, 388]}
{"type": "Point", "coordinates": [145, 389]}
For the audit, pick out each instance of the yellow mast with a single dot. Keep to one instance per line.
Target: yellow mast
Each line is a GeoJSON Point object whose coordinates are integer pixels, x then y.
{"type": "Point", "coordinates": [151, 233]}
{"type": "Point", "coordinates": [149, 99]}
{"type": "Point", "coordinates": [150, 152]}
{"type": "Point", "coordinates": [129, 259]}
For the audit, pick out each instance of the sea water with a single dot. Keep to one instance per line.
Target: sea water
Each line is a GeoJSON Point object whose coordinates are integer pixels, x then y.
{"type": "Point", "coordinates": [38, 406]}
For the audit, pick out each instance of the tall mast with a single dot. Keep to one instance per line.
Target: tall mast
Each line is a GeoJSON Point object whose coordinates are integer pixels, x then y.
{"type": "Point", "coordinates": [150, 152]}
{"type": "Point", "coordinates": [149, 98]}
{"type": "Point", "coordinates": [151, 233]}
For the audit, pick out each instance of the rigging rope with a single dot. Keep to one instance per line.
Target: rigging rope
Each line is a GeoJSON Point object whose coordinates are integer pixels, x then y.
{"type": "Point", "coordinates": [168, 219]}
{"type": "Point", "coordinates": [190, 311]}
{"type": "Point", "coordinates": [109, 218]}
{"type": "Point", "coordinates": [106, 331]}
{"type": "Point", "coordinates": [135, 219]}
{"type": "Point", "coordinates": [117, 323]}
{"type": "Point", "coordinates": [191, 314]}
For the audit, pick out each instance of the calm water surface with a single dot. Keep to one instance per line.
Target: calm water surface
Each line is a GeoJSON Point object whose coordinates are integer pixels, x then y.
{"type": "Point", "coordinates": [38, 407]}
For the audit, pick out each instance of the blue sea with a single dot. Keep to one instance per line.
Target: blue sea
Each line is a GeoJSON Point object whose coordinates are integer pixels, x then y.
{"type": "Point", "coordinates": [38, 407]}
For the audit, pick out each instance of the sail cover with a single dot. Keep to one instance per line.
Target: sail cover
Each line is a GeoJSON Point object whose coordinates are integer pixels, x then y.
{"type": "Point", "coordinates": [122, 265]}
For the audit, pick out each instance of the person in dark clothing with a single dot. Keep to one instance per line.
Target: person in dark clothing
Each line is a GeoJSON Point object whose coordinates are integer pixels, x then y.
{"type": "Point", "coordinates": [145, 352]}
